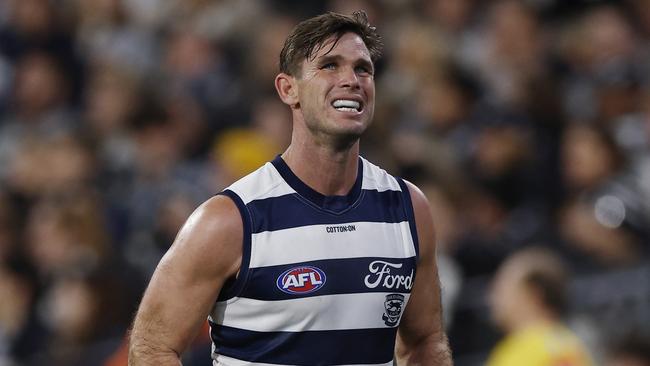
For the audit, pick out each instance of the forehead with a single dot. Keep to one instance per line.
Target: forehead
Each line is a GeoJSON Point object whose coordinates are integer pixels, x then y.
{"type": "Point", "coordinates": [350, 45]}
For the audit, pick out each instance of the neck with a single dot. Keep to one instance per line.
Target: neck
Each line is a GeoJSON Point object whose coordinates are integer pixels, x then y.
{"type": "Point", "coordinates": [326, 170]}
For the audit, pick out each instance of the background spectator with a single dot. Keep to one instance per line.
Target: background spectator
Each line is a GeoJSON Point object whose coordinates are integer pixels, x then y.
{"type": "Point", "coordinates": [528, 302]}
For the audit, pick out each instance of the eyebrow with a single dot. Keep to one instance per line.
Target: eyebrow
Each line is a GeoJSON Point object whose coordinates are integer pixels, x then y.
{"type": "Point", "coordinates": [335, 58]}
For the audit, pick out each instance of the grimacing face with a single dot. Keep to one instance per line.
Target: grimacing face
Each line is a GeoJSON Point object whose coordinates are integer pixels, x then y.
{"type": "Point", "coordinates": [336, 88]}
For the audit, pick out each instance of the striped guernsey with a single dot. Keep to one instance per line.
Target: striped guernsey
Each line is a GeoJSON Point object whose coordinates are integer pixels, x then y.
{"type": "Point", "coordinates": [324, 280]}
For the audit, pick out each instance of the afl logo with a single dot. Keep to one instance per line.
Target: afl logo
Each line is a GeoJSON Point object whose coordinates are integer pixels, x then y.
{"type": "Point", "coordinates": [301, 280]}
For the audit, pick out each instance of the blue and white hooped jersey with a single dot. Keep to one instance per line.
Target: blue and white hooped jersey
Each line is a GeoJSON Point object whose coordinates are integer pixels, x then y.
{"type": "Point", "coordinates": [324, 280]}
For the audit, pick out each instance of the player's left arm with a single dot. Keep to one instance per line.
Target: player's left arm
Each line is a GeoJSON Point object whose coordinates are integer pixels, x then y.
{"type": "Point", "coordinates": [421, 338]}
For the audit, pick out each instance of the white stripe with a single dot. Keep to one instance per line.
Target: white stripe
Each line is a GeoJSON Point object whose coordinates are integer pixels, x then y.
{"type": "Point", "coordinates": [376, 178]}
{"type": "Point", "coordinates": [306, 243]}
{"type": "Point", "coordinates": [267, 182]}
{"type": "Point", "coordinates": [263, 183]}
{"type": "Point", "coordinates": [220, 360]}
{"type": "Point", "coordinates": [327, 312]}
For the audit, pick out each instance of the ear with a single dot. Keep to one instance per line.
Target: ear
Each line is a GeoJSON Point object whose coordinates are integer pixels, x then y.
{"type": "Point", "coordinates": [286, 87]}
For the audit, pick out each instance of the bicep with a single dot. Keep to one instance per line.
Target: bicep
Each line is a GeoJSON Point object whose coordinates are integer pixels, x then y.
{"type": "Point", "coordinates": [189, 277]}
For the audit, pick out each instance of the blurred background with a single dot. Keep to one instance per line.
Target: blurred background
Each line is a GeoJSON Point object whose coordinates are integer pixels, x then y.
{"type": "Point", "coordinates": [526, 123]}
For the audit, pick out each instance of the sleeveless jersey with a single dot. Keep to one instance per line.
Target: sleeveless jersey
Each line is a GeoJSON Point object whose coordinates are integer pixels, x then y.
{"type": "Point", "coordinates": [324, 280]}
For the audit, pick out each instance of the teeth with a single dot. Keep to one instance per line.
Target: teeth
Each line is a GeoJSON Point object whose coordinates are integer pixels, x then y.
{"type": "Point", "coordinates": [346, 105]}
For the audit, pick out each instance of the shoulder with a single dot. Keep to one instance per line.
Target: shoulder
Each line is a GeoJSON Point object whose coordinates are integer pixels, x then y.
{"type": "Point", "coordinates": [376, 178]}
{"type": "Point", "coordinates": [423, 220]}
{"type": "Point", "coordinates": [421, 206]}
{"type": "Point", "coordinates": [210, 240]}
{"type": "Point", "coordinates": [264, 182]}
{"type": "Point", "coordinates": [519, 348]}
{"type": "Point", "coordinates": [218, 214]}
{"type": "Point", "coordinates": [419, 200]}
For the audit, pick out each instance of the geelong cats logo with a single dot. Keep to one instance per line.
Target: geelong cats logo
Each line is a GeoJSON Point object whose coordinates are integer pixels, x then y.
{"type": "Point", "coordinates": [393, 306]}
{"type": "Point", "coordinates": [301, 280]}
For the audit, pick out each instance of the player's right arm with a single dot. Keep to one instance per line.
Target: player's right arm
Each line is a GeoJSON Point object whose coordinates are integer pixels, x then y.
{"type": "Point", "coordinates": [186, 283]}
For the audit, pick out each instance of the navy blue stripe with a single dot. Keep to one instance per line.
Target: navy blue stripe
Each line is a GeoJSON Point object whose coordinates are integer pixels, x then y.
{"type": "Point", "coordinates": [313, 348]}
{"type": "Point", "coordinates": [342, 276]}
{"type": "Point", "coordinates": [334, 204]}
{"type": "Point", "coordinates": [292, 210]}
{"type": "Point", "coordinates": [410, 214]}
{"type": "Point", "coordinates": [234, 287]}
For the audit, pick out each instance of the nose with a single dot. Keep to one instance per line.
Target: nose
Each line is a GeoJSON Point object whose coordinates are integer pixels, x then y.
{"type": "Point", "coordinates": [349, 78]}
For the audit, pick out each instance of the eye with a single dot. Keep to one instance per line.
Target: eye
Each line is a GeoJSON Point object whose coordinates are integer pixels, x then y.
{"type": "Point", "coordinates": [328, 66]}
{"type": "Point", "coordinates": [363, 70]}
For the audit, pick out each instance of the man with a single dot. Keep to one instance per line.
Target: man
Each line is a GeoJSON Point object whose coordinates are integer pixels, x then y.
{"type": "Point", "coordinates": [311, 259]}
{"type": "Point", "coordinates": [528, 299]}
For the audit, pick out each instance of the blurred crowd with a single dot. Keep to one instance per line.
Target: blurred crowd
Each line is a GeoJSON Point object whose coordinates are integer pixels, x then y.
{"type": "Point", "coordinates": [526, 123]}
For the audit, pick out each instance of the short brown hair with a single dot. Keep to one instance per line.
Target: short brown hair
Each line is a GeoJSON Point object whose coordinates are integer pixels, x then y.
{"type": "Point", "coordinates": [308, 37]}
{"type": "Point", "coordinates": [547, 275]}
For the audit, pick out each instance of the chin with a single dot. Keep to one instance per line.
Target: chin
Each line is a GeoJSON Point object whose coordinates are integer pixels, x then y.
{"type": "Point", "coordinates": [353, 125]}
{"type": "Point", "coordinates": [351, 133]}
{"type": "Point", "coordinates": [345, 129]}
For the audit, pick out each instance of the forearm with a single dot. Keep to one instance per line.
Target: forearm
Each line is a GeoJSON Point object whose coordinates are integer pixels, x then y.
{"type": "Point", "coordinates": [430, 351]}
{"type": "Point", "coordinates": [145, 353]}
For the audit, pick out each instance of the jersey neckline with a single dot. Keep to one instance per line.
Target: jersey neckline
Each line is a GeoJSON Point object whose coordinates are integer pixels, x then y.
{"type": "Point", "coordinates": [335, 203]}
